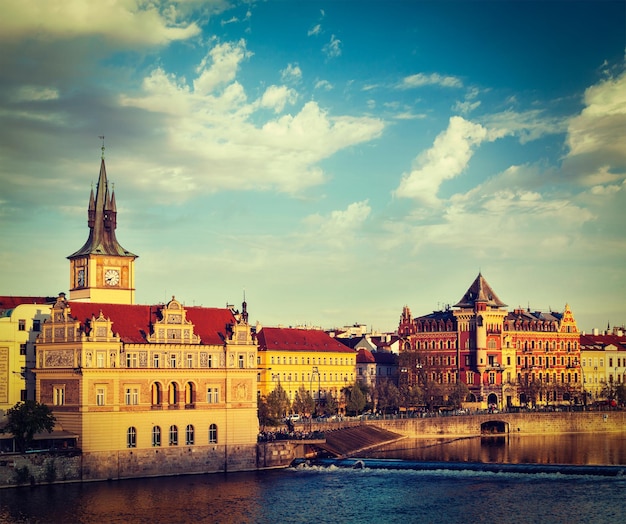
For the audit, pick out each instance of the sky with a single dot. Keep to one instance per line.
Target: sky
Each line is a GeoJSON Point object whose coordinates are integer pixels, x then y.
{"type": "Point", "coordinates": [333, 161]}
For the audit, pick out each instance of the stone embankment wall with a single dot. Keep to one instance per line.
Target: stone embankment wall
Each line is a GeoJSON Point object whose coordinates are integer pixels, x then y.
{"type": "Point", "coordinates": [170, 461]}
{"type": "Point", "coordinates": [38, 468]}
{"type": "Point", "coordinates": [521, 423]}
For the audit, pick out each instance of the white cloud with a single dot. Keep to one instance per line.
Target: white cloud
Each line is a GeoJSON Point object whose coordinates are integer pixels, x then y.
{"type": "Point", "coordinates": [220, 66]}
{"type": "Point", "coordinates": [323, 84]}
{"type": "Point", "coordinates": [447, 158]}
{"type": "Point", "coordinates": [211, 124]}
{"type": "Point", "coordinates": [315, 30]}
{"type": "Point", "coordinates": [597, 136]}
{"type": "Point", "coordinates": [333, 48]}
{"type": "Point", "coordinates": [122, 21]}
{"type": "Point", "coordinates": [527, 126]}
{"type": "Point", "coordinates": [292, 73]}
{"type": "Point", "coordinates": [341, 226]}
{"type": "Point", "coordinates": [276, 97]}
{"type": "Point", "coordinates": [421, 80]}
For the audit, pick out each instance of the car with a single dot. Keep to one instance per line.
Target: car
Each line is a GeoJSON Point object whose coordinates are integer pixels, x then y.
{"type": "Point", "coordinates": [294, 417]}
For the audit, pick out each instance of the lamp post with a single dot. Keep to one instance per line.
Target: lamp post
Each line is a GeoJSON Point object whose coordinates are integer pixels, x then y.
{"type": "Point", "coordinates": [315, 371]}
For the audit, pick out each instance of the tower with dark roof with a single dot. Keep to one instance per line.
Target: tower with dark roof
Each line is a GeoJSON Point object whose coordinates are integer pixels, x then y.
{"type": "Point", "coordinates": [102, 270]}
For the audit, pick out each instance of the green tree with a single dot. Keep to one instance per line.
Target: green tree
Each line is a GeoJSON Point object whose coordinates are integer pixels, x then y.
{"type": "Point", "coordinates": [303, 401]}
{"type": "Point", "coordinates": [387, 396]}
{"type": "Point", "coordinates": [356, 400]}
{"type": "Point", "coordinates": [278, 404]}
{"type": "Point", "coordinates": [331, 406]}
{"type": "Point", "coordinates": [457, 393]}
{"type": "Point", "coordinates": [27, 418]}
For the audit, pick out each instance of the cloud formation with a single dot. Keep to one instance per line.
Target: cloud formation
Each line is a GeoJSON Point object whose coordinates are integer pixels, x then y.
{"type": "Point", "coordinates": [446, 159]}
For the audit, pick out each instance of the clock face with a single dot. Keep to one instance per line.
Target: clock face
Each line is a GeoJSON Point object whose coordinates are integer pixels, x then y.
{"type": "Point", "coordinates": [112, 277]}
{"type": "Point", "coordinates": [80, 279]}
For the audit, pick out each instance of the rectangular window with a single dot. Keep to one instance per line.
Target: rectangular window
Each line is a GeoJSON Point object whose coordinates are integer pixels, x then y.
{"type": "Point", "coordinates": [210, 361]}
{"type": "Point", "coordinates": [610, 362]}
{"type": "Point", "coordinates": [21, 324]}
{"type": "Point", "coordinates": [213, 395]}
{"type": "Point", "coordinates": [241, 361]}
{"type": "Point", "coordinates": [156, 360]}
{"type": "Point", "coordinates": [23, 396]}
{"type": "Point", "coordinates": [131, 360]}
{"type": "Point", "coordinates": [36, 325]}
{"type": "Point", "coordinates": [58, 395]}
{"type": "Point", "coordinates": [131, 397]}
{"type": "Point", "coordinates": [173, 360]}
{"type": "Point", "coordinates": [100, 396]}
{"type": "Point", "coordinates": [22, 349]}
{"type": "Point", "coordinates": [100, 359]}
{"type": "Point", "coordinates": [189, 360]}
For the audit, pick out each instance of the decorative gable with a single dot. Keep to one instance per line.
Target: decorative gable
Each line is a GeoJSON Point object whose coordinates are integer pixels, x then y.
{"type": "Point", "coordinates": [173, 326]}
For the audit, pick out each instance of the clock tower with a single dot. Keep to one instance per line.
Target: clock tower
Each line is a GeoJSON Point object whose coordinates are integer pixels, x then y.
{"type": "Point", "coordinates": [102, 270]}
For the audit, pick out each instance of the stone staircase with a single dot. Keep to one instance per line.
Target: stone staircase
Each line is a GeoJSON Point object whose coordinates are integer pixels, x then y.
{"type": "Point", "coordinates": [348, 441]}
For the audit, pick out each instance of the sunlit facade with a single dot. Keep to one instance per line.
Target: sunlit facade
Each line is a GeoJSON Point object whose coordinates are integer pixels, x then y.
{"type": "Point", "coordinates": [148, 389]}
{"type": "Point", "coordinates": [505, 358]}
{"type": "Point", "coordinates": [303, 358]}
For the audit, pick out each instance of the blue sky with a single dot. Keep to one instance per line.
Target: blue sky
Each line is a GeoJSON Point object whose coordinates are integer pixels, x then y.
{"type": "Point", "coordinates": [335, 160]}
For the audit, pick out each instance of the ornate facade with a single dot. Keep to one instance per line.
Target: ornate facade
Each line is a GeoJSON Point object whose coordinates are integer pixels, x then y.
{"type": "Point", "coordinates": [148, 389]}
{"type": "Point", "coordinates": [504, 358]}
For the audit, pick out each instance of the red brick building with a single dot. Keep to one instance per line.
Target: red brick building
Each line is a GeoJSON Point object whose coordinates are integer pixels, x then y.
{"type": "Point", "coordinates": [504, 358]}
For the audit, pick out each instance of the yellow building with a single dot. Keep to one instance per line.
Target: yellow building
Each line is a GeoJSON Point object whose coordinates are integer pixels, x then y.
{"type": "Point", "coordinates": [20, 322]}
{"type": "Point", "coordinates": [148, 389]}
{"type": "Point", "coordinates": [603, 359]}
{"type": "Point", "coordinates": [303, 358]}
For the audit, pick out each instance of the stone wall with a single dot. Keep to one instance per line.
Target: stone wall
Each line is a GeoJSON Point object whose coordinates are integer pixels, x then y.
{"type": "Point", "coordinates": [38, 468]}
{"type": "Point", "coordinates": [522, 423]}
{"type": "Point", "coordinates": [167, 461]}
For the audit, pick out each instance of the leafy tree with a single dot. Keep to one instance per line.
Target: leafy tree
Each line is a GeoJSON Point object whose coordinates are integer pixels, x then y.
{"type": "Point", "coordinates": [27, 418]}
{"type": "Point", "coordinates": [303, 401]}
{"type": "Point", "coordinates": [457, 393]}
{"type": "Point", "coordinates": [356, 399]}
{"type": "Point", "coordinates": [278, 404]}
{"type": "Point", "coordinates": [331, 407]}
{"type": "Point", "coordinates": [410, 396]}
{"type": "Point", "coordinates": [387, 396]}
{"type": "Point", "coordinates": [620, 394]}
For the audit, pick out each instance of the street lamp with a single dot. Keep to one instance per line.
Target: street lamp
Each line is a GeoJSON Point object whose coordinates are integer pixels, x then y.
{"type": "Point", "coordinates": [315, 371]}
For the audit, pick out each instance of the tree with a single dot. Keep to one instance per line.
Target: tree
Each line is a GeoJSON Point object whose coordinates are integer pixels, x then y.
{"type": "Point", "coordinates": [278, 404]}
{"type": "Point", "coordinates": [331, 406]}
{"type": "Point", "coordinates": [303, 401]}
{"type": "Point", "coordinates": [457, 393]}
{"type": "Point", "coordinates": [27, 418]}
{"type": "Point", "coordinates": [387, 396]}
{"type": "Point", "coordinates": [356, 400]}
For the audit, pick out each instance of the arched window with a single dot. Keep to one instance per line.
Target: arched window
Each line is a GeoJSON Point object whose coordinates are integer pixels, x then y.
{"type": "Point", "coordinates": [189, 435]}
{"type": "Point", "coordinates": [173, 436]}
{"type": "Point", "coordinates": [173, 393]}
{"type": "Point", "coordinates": [213, 434]}
{"type": "Point", "coordinates": [190, 394]}
{"type": "Point", "coordinates": [156, 436]}
{"type": "Point", "coordinates": [131, 437]}
{"type": "Point", "coordinates": [156, 394]}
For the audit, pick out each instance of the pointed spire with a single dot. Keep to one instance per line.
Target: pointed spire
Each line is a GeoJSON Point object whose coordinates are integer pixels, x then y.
{"type": "Point", "coordinates": [480, 291]}
{"type": "Point", "coordinates": [102, 220]}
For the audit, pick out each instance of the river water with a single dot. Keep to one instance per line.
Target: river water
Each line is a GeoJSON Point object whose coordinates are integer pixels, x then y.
{"type": "Point", "coordinates": [344, 495]}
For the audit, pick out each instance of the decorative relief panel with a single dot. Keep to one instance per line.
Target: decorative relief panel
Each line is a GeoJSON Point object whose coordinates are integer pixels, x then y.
{"type": "Point", "coordinates": [204, 359]}
{"type": "Point", "coordinates": [60, 359]}
{"type": "Point", "coordinates": [143, 359]}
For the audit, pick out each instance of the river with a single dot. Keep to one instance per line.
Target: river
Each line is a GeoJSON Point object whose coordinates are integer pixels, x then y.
{"type": "Point", "coordinates": [340, 495]}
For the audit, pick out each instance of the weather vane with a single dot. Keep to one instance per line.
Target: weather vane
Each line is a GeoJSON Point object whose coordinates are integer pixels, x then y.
{"type": "Point", "coordinates": [102, 138]}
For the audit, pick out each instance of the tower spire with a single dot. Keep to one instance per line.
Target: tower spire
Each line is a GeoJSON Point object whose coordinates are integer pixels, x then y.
{"type": "Point", "coordinates": [102, 220]}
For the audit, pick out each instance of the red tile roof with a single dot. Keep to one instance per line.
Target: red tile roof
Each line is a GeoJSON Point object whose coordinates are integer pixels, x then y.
{"type": "Point", "coordinates": [292, 339]}
{"type": "Point", "coordinates": [133, 323]}
{"type": "Point", "coordinates": [12, 302]}
{"type": "Point", "coordinates": [364, 356]}
{"type": "Point", "coordinates": [600, 341]}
